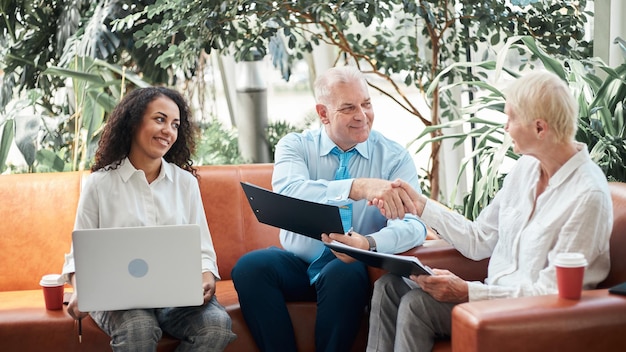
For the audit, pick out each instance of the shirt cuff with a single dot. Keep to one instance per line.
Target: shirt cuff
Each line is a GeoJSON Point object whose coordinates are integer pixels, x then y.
{"type": "Point", "coordinates": [338, 191]}
{"type": "Point", "coordinates": [477, 291]}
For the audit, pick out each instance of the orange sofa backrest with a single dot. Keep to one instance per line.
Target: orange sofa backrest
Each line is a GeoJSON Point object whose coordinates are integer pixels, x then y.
{"type": "Point", "coordinates": [234, 228]}
{"type": "Point", "coordinates": [38, 213]}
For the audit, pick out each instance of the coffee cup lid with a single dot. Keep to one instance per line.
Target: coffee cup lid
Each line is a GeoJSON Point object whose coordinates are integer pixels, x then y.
{"type": "Point", "coordinates": [570, 260]}
{"type": "Point", "coordinates": [51, 280]}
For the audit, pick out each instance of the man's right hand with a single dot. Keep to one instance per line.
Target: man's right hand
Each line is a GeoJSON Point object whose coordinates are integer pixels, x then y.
{"type": "Point", "coordinates": [398, 200]}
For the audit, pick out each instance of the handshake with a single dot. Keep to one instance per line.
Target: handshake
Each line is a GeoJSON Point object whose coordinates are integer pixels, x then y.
{"type": "Point", "coordinates": [393, 198]}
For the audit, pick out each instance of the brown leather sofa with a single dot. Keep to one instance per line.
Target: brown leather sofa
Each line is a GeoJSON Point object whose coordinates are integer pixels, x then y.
{"type": "Point", "coordinates": [38, 215]}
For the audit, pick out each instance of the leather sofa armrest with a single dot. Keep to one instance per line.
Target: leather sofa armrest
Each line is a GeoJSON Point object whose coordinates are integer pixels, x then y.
{"type": "Point", "coordinates": [543, 323]}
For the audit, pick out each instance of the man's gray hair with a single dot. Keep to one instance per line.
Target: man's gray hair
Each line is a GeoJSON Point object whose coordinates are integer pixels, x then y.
{"type": "Point", "coordinates": [334, 75]}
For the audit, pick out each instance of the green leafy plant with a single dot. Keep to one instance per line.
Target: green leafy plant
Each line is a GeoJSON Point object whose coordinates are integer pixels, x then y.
{"type": "Point", "coordinates": [35, 35]}
{"type": "Point", "coordinates": [64, 137]}
{"type": "Point", "coordinates": [277, 130]}
{"type": "Point", "coordinates": [602, 99]}
{"type": "Point", "coordinates": [217, 145]}
{"type": "Point", "coordinates": [395, 42]}
{"type": "Point", "coordinates": [392, 41]}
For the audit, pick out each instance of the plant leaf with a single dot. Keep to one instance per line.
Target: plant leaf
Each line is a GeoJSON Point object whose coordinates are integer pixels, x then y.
{"type": "Point", "coordinates": [8, 133]}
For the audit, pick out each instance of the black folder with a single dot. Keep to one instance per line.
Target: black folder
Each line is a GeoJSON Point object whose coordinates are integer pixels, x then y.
{"type": "Point", "coordinates": [619, 289]}
{"type": "Point", "coordinates": [402, 265]}
{"type": "Point", "coordinates": [299, 216]}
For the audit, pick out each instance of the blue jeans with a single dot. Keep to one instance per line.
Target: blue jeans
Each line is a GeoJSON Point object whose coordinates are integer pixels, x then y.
{"type": "Point", "coordinates": [268, 278]}
{"type": "Point", "coordinates": [202, 328]}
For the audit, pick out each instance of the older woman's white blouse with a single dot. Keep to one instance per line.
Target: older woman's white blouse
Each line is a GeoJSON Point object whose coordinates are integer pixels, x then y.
{"type": "Point", "coordinates": [573, 214]}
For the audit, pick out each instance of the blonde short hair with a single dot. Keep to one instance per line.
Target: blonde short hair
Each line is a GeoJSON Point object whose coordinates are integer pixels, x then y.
{"type": "Point", "coordinates": [543, 95]}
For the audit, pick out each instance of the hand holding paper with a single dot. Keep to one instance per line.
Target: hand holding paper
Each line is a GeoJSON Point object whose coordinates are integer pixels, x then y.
{"type": "Point", "coordinates": [444, 286]}
{"type": "Point", "coordinates": [351, 239]}
{"type": "Point", "coordinates": [402, 265]}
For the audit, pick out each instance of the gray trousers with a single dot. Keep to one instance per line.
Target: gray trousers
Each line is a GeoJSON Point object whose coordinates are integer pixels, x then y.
{"type": "Point", "coordinates": [203, 328]}
{"type": "Point", "coordinates": [405, 318]}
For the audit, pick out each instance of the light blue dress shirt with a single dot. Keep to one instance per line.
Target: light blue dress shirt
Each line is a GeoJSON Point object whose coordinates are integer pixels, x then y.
{"type": "Point", "coordinates": [305, 168]}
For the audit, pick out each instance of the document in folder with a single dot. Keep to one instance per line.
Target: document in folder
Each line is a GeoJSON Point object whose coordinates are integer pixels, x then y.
{"type": "Point", "coordinates": [402, 265]}
{"type": "Point", "coordinates": [299, 216]}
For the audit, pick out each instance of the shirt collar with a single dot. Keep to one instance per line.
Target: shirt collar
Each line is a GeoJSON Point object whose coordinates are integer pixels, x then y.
{"type": "Point", "coordinates": [577, 160]}
{"type": "Point", "coordinates": [126, 170]}
{"type": "Point", "coordinates": [327, 145]}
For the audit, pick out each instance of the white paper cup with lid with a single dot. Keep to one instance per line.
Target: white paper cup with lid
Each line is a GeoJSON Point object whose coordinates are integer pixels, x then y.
{"type": "Point", "coordinates": [52, 287]}
{"type": "Point", "coordinates": [570, 271]}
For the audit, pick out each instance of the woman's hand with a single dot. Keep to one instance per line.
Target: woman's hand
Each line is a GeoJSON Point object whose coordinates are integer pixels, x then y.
{"type": "Point", "coordinates": [208, 285]}
{"type": "Point", "coordinates": [72, 308]}
{"type": "Point", "coordinates": [444, 286]}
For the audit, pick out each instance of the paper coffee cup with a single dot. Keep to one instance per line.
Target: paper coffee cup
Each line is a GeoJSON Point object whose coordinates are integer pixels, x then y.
{"type": "Point", "coordinates": [570, 271]}
{"type": "Point", "coordinates": [52, 287]}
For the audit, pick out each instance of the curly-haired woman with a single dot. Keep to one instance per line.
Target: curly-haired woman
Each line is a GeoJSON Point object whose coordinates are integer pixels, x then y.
{"type": "Point", "coordinates": [143, 176]}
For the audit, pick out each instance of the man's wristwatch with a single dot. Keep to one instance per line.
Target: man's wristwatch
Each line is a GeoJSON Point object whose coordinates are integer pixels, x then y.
{"type": "Point", "coordinates": [372, 243]}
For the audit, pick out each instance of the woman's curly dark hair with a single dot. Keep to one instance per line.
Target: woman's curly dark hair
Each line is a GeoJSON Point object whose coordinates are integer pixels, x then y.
{"type": "Point", "coordinates": [115, 142]}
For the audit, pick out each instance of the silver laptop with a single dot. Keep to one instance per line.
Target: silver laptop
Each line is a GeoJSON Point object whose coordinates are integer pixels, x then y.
{"type": "Point", "coordinates": [138, 267]}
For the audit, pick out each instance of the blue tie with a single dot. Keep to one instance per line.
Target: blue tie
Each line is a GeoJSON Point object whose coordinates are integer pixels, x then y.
{"type": "Point", "coordinates": [344, 211]}
{"type": "Point", "coordinates": [342, 173]}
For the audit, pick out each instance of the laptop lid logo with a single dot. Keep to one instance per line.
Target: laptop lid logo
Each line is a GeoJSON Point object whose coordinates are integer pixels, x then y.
{"type": "Point", "coordinates": [138, 268]}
